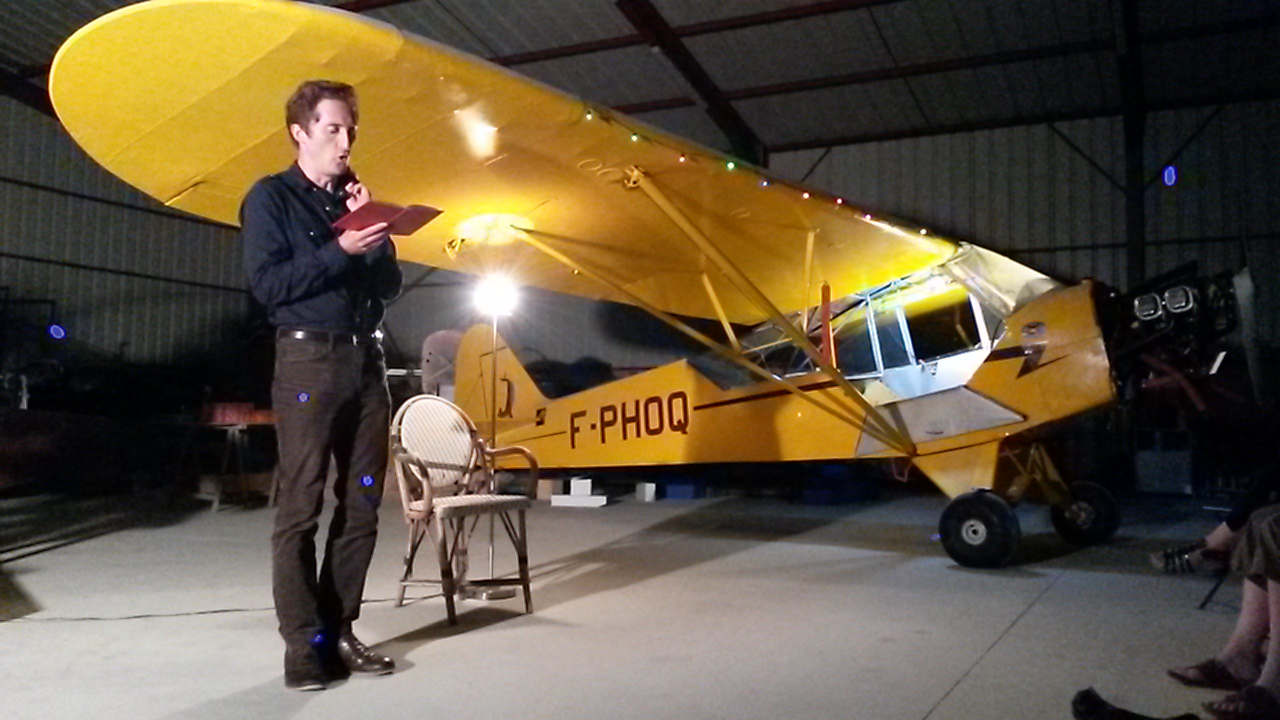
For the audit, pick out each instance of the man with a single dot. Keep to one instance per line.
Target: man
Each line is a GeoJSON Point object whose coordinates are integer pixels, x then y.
{"type": "Point", "coordinates": [324, 293]}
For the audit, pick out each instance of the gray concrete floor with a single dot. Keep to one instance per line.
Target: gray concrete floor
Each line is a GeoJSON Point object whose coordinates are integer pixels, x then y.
{"type": "Point", "coordinates": [730, 607]}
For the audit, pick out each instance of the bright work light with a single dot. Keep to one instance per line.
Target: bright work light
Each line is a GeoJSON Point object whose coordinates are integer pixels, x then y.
{"type": "Point", "coordinates": [496, 296]}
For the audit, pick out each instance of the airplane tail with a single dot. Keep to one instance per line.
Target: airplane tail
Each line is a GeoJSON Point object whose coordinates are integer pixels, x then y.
{"type": "Point", "coordinates": [518, 398]}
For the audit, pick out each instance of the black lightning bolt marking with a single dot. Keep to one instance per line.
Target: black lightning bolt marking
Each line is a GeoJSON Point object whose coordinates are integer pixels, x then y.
{"type": "Point", "coordinates": [1030, 355]}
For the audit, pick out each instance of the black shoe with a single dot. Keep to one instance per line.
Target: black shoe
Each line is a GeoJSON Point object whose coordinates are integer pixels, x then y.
{"type": "Point", "coordinates": [359, 659]}
{"type": "Point", "coordinates": [303, 669]}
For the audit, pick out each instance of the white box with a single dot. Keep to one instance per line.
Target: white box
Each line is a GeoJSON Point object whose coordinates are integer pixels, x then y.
{"type": "Point", "coordinates": [578, 500]}
{"type": "Point", "coordinates": [579, 486]}
{"type": "Point", "coordinates": [647, 491]}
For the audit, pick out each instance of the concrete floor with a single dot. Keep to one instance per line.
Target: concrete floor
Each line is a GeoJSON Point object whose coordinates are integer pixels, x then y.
{"type": "Point", "coordinates": [730, 607]}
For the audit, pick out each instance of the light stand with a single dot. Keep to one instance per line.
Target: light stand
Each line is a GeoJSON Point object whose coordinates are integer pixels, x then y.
{"type": "Point", "coordinates": [495, 297]}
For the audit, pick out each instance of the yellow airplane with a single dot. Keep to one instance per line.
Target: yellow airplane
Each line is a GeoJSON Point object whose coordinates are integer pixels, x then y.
{"type": "Point", "coordinates": [871, 339]}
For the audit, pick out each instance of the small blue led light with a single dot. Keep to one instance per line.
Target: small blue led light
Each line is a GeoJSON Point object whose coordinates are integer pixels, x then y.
{"type": "Point", "coordinates": [367, 481]}
{"type": "Point", "coordinates": [318, 639]}
{"type": "Point", "coordinates": [303, 397]}
{"type": "Point", "coordinates": [57, 332]}
{"type": "Point", "coordinates": [1170, 176]}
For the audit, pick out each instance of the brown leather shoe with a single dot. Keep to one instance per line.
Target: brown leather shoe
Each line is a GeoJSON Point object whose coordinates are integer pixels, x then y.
{"type": "Point", "coordinates": [360, 660]}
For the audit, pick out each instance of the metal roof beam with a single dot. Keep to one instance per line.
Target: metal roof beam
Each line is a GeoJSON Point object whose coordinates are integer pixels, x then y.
{"type": "Point", "coordinates": [25, 92]}
{"type": "Point", "coordinates": [895, 73]}
{"type": "Point", "coordinates": [918, 69]}
{"type": "Point", "coordinates": [646, 19]}
{"type": "Point", "coordinates": [31, 71]}
{"type": "Point", "coordinates": [703, 28]}
{"type": "Point", "coordinates": [970, 63]}
{"type": "Point", "coordinates": [1133, 96]}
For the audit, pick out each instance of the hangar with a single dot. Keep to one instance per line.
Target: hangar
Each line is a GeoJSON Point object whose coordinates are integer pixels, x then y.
{"type": "Point", "coordinates": [1108, 140]}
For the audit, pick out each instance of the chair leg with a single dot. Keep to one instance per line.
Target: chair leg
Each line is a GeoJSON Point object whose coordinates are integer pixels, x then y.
{"type": "Point", "coordinates": [516, 533]}
{"type": "Point", "coordinates": [1213, 590]}
{"type": "Point", "coordinates": [522, 556]}
{"type": "Point", "coordinates": [416, 533]}
{"type": "Point", "coordinates": [440, 538]}
{"type": "Point", "coordinates": [461, 543]}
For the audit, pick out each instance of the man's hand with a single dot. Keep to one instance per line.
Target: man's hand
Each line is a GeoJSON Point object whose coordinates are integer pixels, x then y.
{"type": "Point", "coordinates": [359, 242]}
{"type": "Point", "coordinates": [357, 194]}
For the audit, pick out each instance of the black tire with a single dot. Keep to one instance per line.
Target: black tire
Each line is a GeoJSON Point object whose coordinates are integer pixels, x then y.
{"type": "Point", "coordinates": [1091, 516]}
{"type": "Point", "coordinates": [980, 530]}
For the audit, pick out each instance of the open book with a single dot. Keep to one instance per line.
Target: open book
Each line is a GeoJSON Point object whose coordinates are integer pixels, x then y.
{"type": "Point", "coordinates": [400, 220]}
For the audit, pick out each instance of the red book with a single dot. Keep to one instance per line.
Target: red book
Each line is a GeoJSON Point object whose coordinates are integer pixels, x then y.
{"type": "Point", "coordinates": [400, 220]}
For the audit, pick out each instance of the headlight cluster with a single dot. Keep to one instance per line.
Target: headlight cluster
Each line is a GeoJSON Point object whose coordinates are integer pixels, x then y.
{"type": "Point", "coordinates": [1177, 299]}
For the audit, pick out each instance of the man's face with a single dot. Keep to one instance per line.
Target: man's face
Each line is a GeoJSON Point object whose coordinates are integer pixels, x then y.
{"type": "Point", "coordinates": [324, 146]}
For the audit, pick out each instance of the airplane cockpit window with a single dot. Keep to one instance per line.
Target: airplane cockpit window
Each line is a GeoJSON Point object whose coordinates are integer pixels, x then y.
{"type": "Point", "coordinates": [894, 348]}
{"type": "Point", "coordinates": [942, 324]}
{"type": "Point", "coordinates": [885, 332]}
{"type": "Point", "coordinates": [855, 348]}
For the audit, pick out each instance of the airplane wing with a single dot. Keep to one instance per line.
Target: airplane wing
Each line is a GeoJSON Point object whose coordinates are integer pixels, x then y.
{"type": "Point", "coordinates": [184, 99]}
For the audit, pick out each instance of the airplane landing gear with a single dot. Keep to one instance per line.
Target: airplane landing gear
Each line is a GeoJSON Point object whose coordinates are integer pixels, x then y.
{"type": "Point", "coordinates": [1090, 515]}
{"type": "Point", "coordinates": [980, 530]}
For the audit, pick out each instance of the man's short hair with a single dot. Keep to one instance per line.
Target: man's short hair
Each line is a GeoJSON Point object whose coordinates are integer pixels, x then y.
{"type": "Point", "coordinates": [301, 108]}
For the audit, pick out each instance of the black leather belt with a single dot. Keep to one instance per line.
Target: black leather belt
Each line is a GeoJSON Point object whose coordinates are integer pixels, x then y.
{"type": "Point", "coordinates": [324, 336]}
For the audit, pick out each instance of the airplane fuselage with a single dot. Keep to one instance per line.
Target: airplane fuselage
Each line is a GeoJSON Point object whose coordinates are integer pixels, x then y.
{"type": "Point", "coordinates": [1048, 363]}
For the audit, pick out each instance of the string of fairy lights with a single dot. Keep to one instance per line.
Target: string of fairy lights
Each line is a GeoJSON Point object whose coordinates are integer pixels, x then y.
{"type": "Point", "coordinates": [591, 114]}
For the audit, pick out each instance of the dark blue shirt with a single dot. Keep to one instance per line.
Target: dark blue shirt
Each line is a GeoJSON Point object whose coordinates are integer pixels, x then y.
{"type": "Point", "coordinates": [296, 267]}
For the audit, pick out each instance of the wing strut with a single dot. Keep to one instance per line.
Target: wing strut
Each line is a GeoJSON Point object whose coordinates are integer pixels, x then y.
{"type": "Point", "coordinates": [532, 237]}
{"type": "Point", "coordinates": [891, 435]}
{"type": "Point", "coordinates": [724, 319]}
{"type": "Point", "coordinates": [808, 277]}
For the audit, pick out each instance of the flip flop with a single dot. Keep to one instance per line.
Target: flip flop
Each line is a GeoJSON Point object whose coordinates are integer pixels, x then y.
{"type": "Point", "coordinates": [1251, 703]}
{"type": "Point", "coordinates": [1210, 674]}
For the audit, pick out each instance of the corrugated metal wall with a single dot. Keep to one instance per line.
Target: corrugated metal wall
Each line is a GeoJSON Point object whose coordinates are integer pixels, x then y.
{"type": "Point", "coordinates": [130, 279]}
{"type": "Point", "coordinates": [1050, 196]}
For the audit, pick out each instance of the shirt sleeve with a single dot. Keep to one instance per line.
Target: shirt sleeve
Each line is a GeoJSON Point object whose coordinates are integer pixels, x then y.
{"type": "Point", "coordinates": [279, 273]}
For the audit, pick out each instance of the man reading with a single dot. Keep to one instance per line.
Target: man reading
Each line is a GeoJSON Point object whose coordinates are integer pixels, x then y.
{"type": "Point", "coordinates": [324, 291]}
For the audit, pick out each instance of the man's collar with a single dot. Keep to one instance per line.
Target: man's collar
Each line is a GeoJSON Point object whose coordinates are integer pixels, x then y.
{"type": "Point", "coordinates": [299, 179]}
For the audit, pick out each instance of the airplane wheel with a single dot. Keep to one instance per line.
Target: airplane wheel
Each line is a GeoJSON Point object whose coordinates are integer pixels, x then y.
{"type": "Point", "coordinates": [980, 530]}
{"type": "Point", "coordinates": [1091, 517]}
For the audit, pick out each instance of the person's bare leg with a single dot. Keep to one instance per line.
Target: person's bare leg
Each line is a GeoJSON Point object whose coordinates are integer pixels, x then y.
{"type": "Point", "coordinates": [1222, 539]}
{"type": "Point", "coordinates": [1270, 675]}
{"type": "Point", "coordinates": [1240, 654]}
{"type": "Point", "coordinates": [1262, 698]}
{"type": "Point", "coordinates": [1236, 665]}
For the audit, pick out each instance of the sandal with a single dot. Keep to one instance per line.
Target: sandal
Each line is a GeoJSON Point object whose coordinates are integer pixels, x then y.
{"type": "Point", "coordinates": [1251, 703]}
{"type": "Point", "coordinates": [1210, 674]}
{"type": "Point", "coordinates": [1179, 559]}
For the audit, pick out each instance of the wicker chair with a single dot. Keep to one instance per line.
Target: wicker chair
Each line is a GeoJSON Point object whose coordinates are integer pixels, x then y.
{"type": "Point", "coordinates": [445, 472]}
